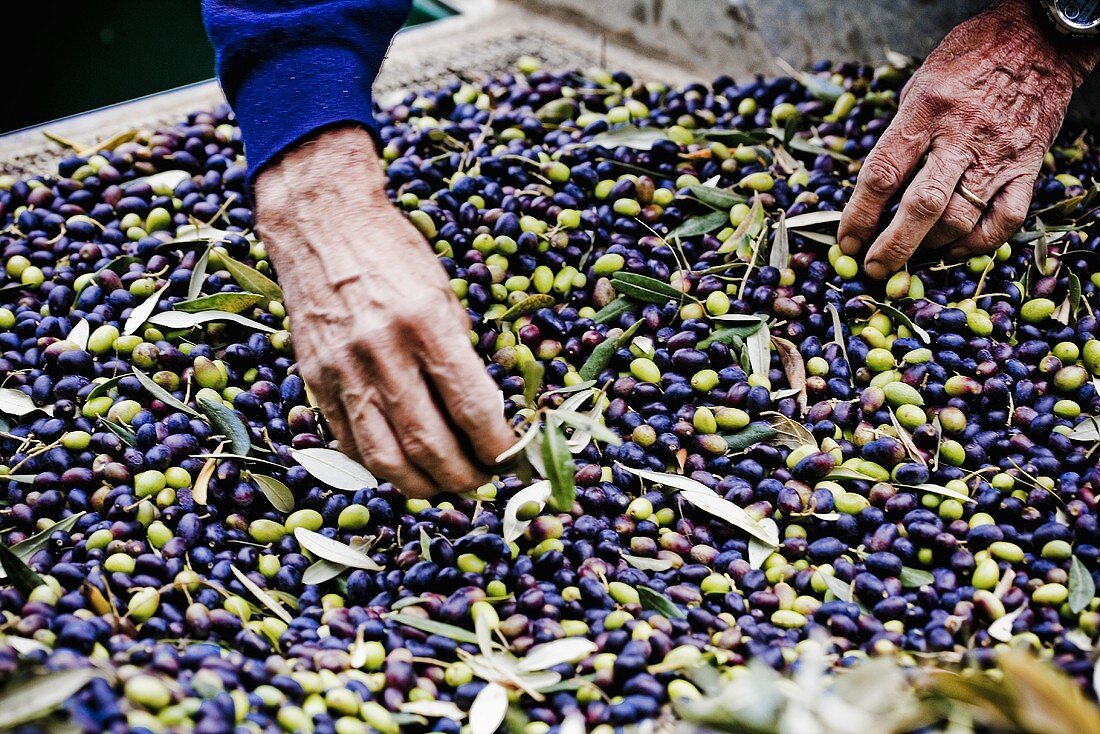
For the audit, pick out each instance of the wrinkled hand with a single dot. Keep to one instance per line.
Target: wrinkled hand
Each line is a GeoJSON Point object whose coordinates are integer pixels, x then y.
{"type": "Point", "coordinates": [981, 112]}
{"type": "Point", "coordinates": [379, 336]}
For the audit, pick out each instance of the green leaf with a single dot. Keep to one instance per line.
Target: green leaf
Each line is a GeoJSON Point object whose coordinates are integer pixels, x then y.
{"type": "Point", "coordinates": [528, 305]}
{"type": "Point", "coordinates": [730, 137]}
{"type": "Point", "coordinates": [163, 181]}
{"type": "Point", "coordinates": [841, 590]}
{"type": "Point", "coordinates": [121, 264]}
{"type": "Point", "coordinates": [24, 549]}
{"type": "Point", "coordinates": [914, 577]}
{"type": "Point", "coordinates": [18, 573]}
{"type": "Point", "coordinates": [603, 352]}
{"type": "Point", "coordinates": [613, 310]}
{"type": "Point", "coordinates": [899, 318]}
{"type": "Point", "coordinates": [251, 279]}
{"type": "Point", "coordinates": [645, 288]}
{"type": "Point", "coordinates": [432, 627]}
{"type": "Point", "coordinates": [128, 437]}
{"type": "Point", "coordinates": [838, 333]}
{"type": "Point", "coordinates": [944, 491]}
{"type": "Point", "coordinates": [105, 387]}
{"type": "Point", "coordinates": [198, 276]}
{"type": "Point", "coordinates": [425, 545]}
{"type": "Point", "coordinates": [182, 320]}
{"type": "Point", "coordinates": [1087, 430]}
{"type": "Point", "coordinates": [232, 302]}
{"type": "Point", "coordinates": [1074, 293]}
{"type": "Point", "coordinates": [701, 224]}
{"type": "Point", "coordinates": [141, 312]}
{"type": "Point", "coordinates": [559, 467]}
{"type": "Point", "coordinates": [821, 88]}
{"type": "Point", "coordinates": [629, 136]}
{"type": "Point", "coordinates": [80, 333]}
{"type": "Point", "coordinates": [532, 372]}
{"type": "Point", "coordinates": [34, 698]}
{"type": "Point", "coordinates": [659, 603]}
{"type": "Point", "coordinates": [721, 199]}
{"type": "Point", "coordinates": [813, 219]}
{"type": "Point", "coordinates": [591, 426]}
{"type": "Point", "coordinates": [779, 256]}
{"type": "Point", "coordinates": [750, 435]}
{"type": "Point", "coordinates": [18, 403]}
{"type": "Point", "coordinates": [731, 336]}
{"type": "Point", "coordinates": [656, 565]}
{"type": "Point", "coordinates": [163, 395]}
{"type": "Point", "coordinates": [277, 493]}
{"type": "Point", "coordinates": [1082, 588]}
{"type": "Point", "coordinates": [225, 420]}
{"type": "Point", "coordinates": [333, 550]}
{"type": "Point", "coordinates": [759, 348]}
{"type": "Point", "coordinates": [321, 571]}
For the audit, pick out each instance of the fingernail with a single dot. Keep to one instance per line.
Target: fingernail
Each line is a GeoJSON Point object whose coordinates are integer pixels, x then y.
{"type": "Point", "coordinates": [875, 269]}
{"type": "Point", "coordinates": [849, 245]}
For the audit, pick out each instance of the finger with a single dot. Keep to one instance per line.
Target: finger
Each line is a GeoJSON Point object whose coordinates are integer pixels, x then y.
{"type": "Point", "coordinates": [887, 167]}
{"type": "Point", "coordinates": [334, 414]}
{"type": "Point", "coordinates": [382, 453]}
{"type": "Point", "coordinates": [468, 393]}
{"type": "Point", "coordinates": [961, 214]}
{"type": "Point", "coordinates": [921, 205]}
{"type": "Point", "coordinates": [422, 430]}
{"type": "Point", "coordinates": [1006, 212]}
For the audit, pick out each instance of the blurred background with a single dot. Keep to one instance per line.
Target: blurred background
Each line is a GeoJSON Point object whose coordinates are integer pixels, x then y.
{"type": "Point", "coordinates": [114, 51]}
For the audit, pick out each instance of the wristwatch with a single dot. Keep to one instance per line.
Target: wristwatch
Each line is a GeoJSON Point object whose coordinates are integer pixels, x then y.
{"type": "Point", "coordinates": [1074, 17]}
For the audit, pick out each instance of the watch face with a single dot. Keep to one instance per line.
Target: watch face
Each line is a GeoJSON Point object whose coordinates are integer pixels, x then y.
{"type": "Point", "coordinates": [1080, 15]}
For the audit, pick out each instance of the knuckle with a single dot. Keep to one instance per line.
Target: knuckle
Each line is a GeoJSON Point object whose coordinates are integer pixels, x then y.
{"type": "Point", "coordinates": [953, 223]}
{"type": "Point", "coordinates": [929, 201]}
{"type": "Point", "coordinates": [880, 176]}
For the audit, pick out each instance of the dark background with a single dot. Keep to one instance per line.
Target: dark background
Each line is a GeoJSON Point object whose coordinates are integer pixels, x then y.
{"type": "Point", "coordinates": [66, 58]}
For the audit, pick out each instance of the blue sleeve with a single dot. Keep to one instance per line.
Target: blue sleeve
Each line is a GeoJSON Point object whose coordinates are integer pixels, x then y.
{"type": "Point", "coordinates": [290, 67]}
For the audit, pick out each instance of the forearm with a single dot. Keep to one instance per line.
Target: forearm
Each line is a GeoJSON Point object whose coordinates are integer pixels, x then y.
{"type": "Point", "coordinates": [289, 69]}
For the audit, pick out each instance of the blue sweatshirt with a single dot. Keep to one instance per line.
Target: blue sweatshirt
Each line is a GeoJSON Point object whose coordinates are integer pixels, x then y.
{"type": "Point", "coordinates": [290, 67]}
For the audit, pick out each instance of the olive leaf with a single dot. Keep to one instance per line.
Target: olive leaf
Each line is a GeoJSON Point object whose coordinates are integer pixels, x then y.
{"type": "Point", "coordinates": [163, 395]}
{"type": "Point", "coordinates": [708, 500]}
{"type": "Point", "coordinates": [532, 371]}
{"type": "Point", "coordinates": [701, 224]}
{"type": "Point", "coordinates": [794, 367]}
{"type": "Point", "coordinates": [789, 432]}
{"type": "Point", "coordinates": [183, 320]}
{"type": "Point", "coordinates": [18, 573]}
{"type": "Point", "coordinates": [591, 426]}
{"type": "Point", "coordinates": [733, 335]}
{"type": "Point", "coordinates": [722, 199]}
{"type": "Point", "coordinates": [433, 709]}
{"type": "Point", "coordinates": [1082, 588]}
{"type": "Point", "coordinates": [1087, 430]}
{"type": "Point", "coordinates": [1001, 629]}
{"type": "Point", "coordinates": [750, 435]}
{"type": "Point", "coordinates": [603, 352]}
{"type": "Point", "coordinates": [528, 436]}
{"type": "Point", "coordinates": [276, 608]}
{"type": "Point", "coordinates": [198, 276]}
{"type": "Point", "coordinates": [914, 577]}
{"type": "Point", "coordinates": [277, 493]}
{"type": "Point", "coordinates": [33, 698]}
{"type": "Point", "coordinates": [432, 627]}
{"type": "Point", "coordinates": [527, 306]}
{"type": "Point", "coordinates": [202, 481]}
{"type": "Point", "coordinates": [26, 548]}
{"type": "Point", "coordinates": [163, 181]}
{"type": "Point", "coordinates": [17, 403]}
{"type": "Point", "coordinates": [120, 264]}
{"type": "Point", "coordinates": [1074, 297]}
{"type": "Point", "coordinates": [321, 571]}
{"type": "Point", "coordinates": [779, 256]}
{"type": "Point", "coordinates": [333, 550]}
{"type": "Point", "coordinates": [558, 462]}
{"type": "Point", "coordinates": [659, 603]}
{"type": "Point", "coordinates": [656, 565]}
{"type": "Point", "coordinates": [141, 312]}
{"type": "Point", "coordinates": [127, 436]}
{"type": "Point", "coordinates": [1045, 698]}
{"type": "Point", "coordinates": [251, 279]}
{"type": "Point", "coordinates": [80, 334]}
{"type": "Point", "coordinates": [812, 219]}
{"type": "Point", "coordinates": [645, 288]}
{"type": "Point", "coordinates": [944, 491]}
{"type": "Point", "coordinates": [838, 336]}
{"type": "Point", "coordinates": [334, 469]}
{"type": "Point", "coordinates": [841, 473]}
{"type": "Point", "coordinates": [731, 137]}
{"type": "Point", "coordinates": [225, 420]}
{"type": "Point", "coordinates": [613, 310]}
{"type": "Point", "coordinates": [231, 302]}
{"type": "Point", "coordinates": [759, 348]}
{"type": "Point", "coordinates": [759, 551]}
{"type": "Point", "coordinates": [629, 136]}
{"type": "Point", "coordinates": [840, 589]}
{"type": "Point", "coordinates": [105, 386]}
{"type": "Point", "coordinates": [488, 709]}
{"type": "Point", "coordinates": [899, 318]}
{"type": "Point", "coordinates": [1042, 248]}
{"type": "Point", "coordinates": [906, 440]}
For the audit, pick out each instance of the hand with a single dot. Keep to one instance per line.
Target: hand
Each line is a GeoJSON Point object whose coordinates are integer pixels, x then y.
{"type": "Point", "coordinates": [980, 112]}
{"type": "Point", "coordinates": [379, 336]}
